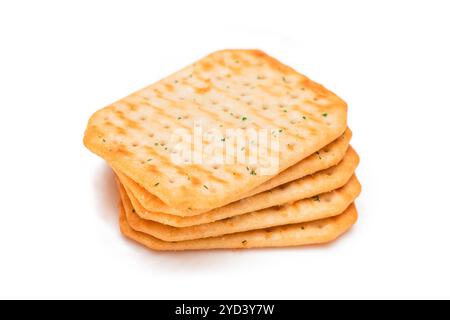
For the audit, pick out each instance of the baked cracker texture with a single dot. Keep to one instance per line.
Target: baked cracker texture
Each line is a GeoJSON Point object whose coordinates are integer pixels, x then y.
{"type": "Point", "coordinates": [308, 233]}
{"type": "Point", "coordinates": [195, 203]}
{"type": "Point", "coordinates": [325, 158]}
{"type": "Point", "coordinates": [237, 89]}
{"type": "Point", "coordinates": [318, 207]}
{"type": "Point", "coordinates": [312, 185]}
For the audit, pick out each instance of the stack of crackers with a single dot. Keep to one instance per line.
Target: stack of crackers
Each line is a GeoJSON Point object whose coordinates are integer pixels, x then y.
{"type": "Point", "coordinates": [234, 151]}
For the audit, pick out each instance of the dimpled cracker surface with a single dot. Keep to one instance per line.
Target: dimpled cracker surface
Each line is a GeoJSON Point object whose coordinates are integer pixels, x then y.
{"type": "Point", "coordinates": [235, 89]}
{"type": "Point", "coordinates": [320, 182]}
{"type": "Point", "coordinates": [308, 233]}
{"type": "Point", "coordinates": [325, 158]}
{"type": "Point", "coordinates": [328, 156]}
{"type": "Point", "coordinates": [323, 206]}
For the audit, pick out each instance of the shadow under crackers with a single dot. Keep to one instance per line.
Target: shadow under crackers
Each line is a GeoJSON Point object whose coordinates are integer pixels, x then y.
{"type": "Point", "coordinates": [107, 203]}
{"type": "Point", "coordinates": [107, 195]}
{"type": "Point", "coordinates": [199, 262]}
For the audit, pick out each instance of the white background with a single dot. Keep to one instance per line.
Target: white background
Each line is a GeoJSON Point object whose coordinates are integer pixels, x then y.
{"type": "Point", "coordinates": [60, 61]}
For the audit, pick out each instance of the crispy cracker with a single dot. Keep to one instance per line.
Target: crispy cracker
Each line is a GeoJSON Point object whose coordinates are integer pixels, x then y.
{"type": "Point", "coordinates": [232, 88]}
{"type": "Point", "coordinates": [308, 233]}
{"type": "Point", "coordinates": [321, 182]}
{"type": "Point", "coordinates": [325, 158]}
{"type": "Point", "coordinates": [323, 206]}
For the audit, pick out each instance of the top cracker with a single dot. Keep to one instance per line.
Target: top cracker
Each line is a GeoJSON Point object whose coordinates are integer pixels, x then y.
{"type": "Point", "coordinates": [229, 89]}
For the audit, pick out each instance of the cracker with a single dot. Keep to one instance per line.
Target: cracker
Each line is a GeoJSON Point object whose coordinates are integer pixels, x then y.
{"type": "Point", "coordinates": [309, 233]}
{"type": "Point", "coordinates": [321, 182]}
{"type": "Point", "coordinates": [230, 88]}
{"type": "Point", "coordinates": [322, 206]}
{"type": "Point", "coordinates": [325, 158]}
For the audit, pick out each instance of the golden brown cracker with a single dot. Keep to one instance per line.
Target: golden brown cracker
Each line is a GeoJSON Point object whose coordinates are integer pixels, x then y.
{"type": "Point", "coordinates": [235, 89]}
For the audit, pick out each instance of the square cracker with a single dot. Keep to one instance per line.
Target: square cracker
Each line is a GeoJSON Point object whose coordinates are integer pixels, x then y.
{"type": "Point", "coordinates": [224, 88]}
